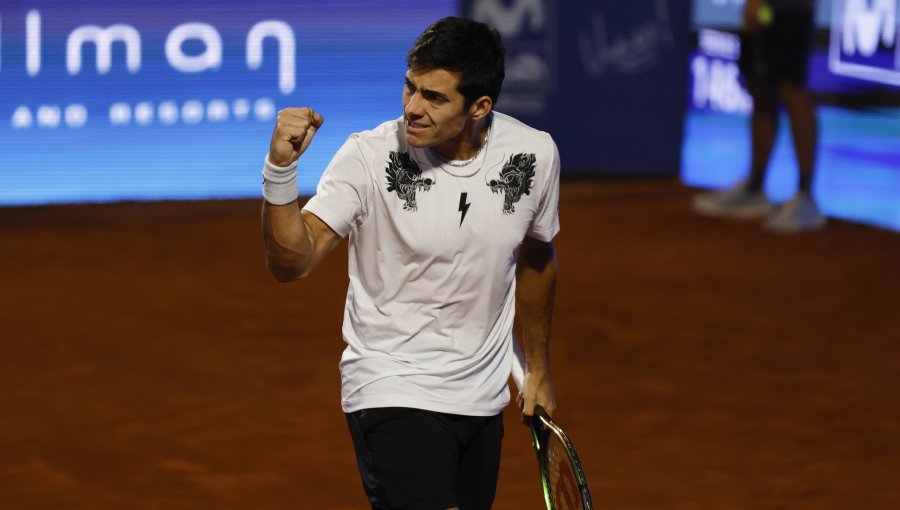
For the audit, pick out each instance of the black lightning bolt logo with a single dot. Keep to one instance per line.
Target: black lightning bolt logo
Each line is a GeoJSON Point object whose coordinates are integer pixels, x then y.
{"type": "Point", "coordinates": [463, 207]}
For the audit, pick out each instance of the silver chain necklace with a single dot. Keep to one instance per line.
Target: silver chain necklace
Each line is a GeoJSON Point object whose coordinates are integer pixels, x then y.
{"type": "Point", "coordinates": [463, 164]}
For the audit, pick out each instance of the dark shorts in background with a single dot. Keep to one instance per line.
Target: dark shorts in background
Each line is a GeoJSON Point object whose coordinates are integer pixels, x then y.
{"type": "Point", "coordinates": [780, 52]}
{"type": "Point", "coordinates": [424, 460]}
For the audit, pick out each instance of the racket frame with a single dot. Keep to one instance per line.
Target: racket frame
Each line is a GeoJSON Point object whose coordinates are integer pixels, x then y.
{"type": "Point", "coordinates": [541, 427]}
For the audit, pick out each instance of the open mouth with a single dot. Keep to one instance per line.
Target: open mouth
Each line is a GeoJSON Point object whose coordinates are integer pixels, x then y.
{"type": "Point", "coordinates": [415, 127]}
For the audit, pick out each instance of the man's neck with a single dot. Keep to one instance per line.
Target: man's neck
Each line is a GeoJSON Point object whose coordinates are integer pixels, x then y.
{"type": "Point", "coordinates": [469, 142]}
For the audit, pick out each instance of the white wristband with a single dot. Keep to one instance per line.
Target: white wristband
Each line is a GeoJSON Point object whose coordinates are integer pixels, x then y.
{"type": "Point", "coordinates": [279, 183]}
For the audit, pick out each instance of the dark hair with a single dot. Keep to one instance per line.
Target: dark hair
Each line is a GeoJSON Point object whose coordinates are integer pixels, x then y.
{"type": "Point", "coordinates": [464, 46]}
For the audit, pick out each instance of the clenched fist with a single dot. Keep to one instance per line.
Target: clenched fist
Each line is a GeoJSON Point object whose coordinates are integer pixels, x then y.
{"type": "Point", "coordinates": [294, 130]}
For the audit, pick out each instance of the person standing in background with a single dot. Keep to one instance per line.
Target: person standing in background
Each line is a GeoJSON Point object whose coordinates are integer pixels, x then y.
{"type": "Point", "coordinates": [775, 45]}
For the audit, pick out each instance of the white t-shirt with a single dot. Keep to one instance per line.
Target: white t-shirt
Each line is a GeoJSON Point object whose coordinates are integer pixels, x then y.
{"type": "Point", "coordinates": [428, 319]}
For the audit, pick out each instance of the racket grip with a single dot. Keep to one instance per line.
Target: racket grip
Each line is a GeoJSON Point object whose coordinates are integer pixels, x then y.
{"type": "Point", "coordinates": [518, 366]}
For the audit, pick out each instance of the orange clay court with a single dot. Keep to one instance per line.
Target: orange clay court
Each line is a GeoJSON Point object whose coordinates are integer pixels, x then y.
{"type": "Point", "coordinates": [150, 362]}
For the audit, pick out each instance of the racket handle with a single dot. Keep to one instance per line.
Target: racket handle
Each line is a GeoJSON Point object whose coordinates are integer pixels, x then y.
{"type": "Point", "coordinates": [541, 413]}
{"type": "Point", "coordinates": [518, 366]}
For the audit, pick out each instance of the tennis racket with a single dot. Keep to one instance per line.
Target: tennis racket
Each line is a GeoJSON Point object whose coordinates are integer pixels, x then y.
{"type": "Point", "coordinates": [562, 477]}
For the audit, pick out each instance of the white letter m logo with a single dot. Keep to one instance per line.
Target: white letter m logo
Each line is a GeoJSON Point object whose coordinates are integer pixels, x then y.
{"type": "Point", "coordinates": [864, 40]}
{"type": "Point", "coordinates": [863, 25]}
{"type": "Point", "coordinates": [510, 21]}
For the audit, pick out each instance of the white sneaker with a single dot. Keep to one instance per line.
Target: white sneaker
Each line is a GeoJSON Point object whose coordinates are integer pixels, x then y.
{"type": "Point", "coordinates": [799, 214]}
{"type": "Point", "coordinates": [733, 203]}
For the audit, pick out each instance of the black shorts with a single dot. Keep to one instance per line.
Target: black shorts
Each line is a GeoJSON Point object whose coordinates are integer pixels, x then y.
{"type": "Point", "coordinates": [779, 52]}
{"type": "Point", "coordinates": [424, 460]}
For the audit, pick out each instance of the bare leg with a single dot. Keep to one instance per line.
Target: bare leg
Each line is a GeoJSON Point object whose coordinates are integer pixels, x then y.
{"type": "Point", "coordinates": [804, 128]}
{"type": "Point", "coordinates": [763, 131]}
{"type": "Point", "coordinates": [800, 213]}
{"type": "Point", "coordinates": [747, 200]}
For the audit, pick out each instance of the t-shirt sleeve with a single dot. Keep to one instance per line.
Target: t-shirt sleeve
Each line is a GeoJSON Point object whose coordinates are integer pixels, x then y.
{"type": "Point", "coordinates": [341, 196]}
{"type": "Point", "coordinates": [546, 221]}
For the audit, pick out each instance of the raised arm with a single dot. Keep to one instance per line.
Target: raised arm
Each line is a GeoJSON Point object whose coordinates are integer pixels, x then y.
{"type": "Point", "coordinates": [535, 295]}
{"type": "Point", "coordinates": [295, 241]}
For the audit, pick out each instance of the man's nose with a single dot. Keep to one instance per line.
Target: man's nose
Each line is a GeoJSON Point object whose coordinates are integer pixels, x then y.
{"type": "Point", "coordinates": [413, 106]}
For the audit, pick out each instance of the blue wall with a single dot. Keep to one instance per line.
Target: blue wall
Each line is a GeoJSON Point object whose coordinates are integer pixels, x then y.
{"type": "Point", "coordinates": [606, 78]}
{"type": "Point", "coordinates": [609, 79]}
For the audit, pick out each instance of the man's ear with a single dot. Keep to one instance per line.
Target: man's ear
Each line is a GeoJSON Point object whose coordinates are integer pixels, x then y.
{"type": "Point", "coordinates": [480, 107]}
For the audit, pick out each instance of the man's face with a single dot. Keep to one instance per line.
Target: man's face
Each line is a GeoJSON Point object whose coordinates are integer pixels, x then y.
{"type": "Point", "coordinates": [433, 108]}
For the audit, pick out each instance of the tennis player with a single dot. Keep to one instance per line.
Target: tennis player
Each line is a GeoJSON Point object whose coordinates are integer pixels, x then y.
{"type": "Point", "coordinates": [451, 210]}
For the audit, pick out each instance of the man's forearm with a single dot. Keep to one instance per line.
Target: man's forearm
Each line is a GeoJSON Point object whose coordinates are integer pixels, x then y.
{"type": "Point", "coordinates": [286, 239]}
{"type": "Point", "coordinates": [535, 297]}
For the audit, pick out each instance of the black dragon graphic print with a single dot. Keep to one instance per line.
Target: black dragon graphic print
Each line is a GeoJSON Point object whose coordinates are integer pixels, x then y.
{"type": "Point", "coordinates": [515, 180]}
{"type": "Point", "coordinates": [405, 177]}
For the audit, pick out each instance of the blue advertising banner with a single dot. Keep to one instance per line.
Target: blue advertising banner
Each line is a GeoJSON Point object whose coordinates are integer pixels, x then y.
{"type": "Point", "coordinates": [106, 100]}
{"type": "Point", "coordinates": [606, 78]}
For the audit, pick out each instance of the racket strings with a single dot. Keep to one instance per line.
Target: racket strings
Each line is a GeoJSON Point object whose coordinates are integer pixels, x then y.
{"type": "Point", "coordinates": [563, 481]}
